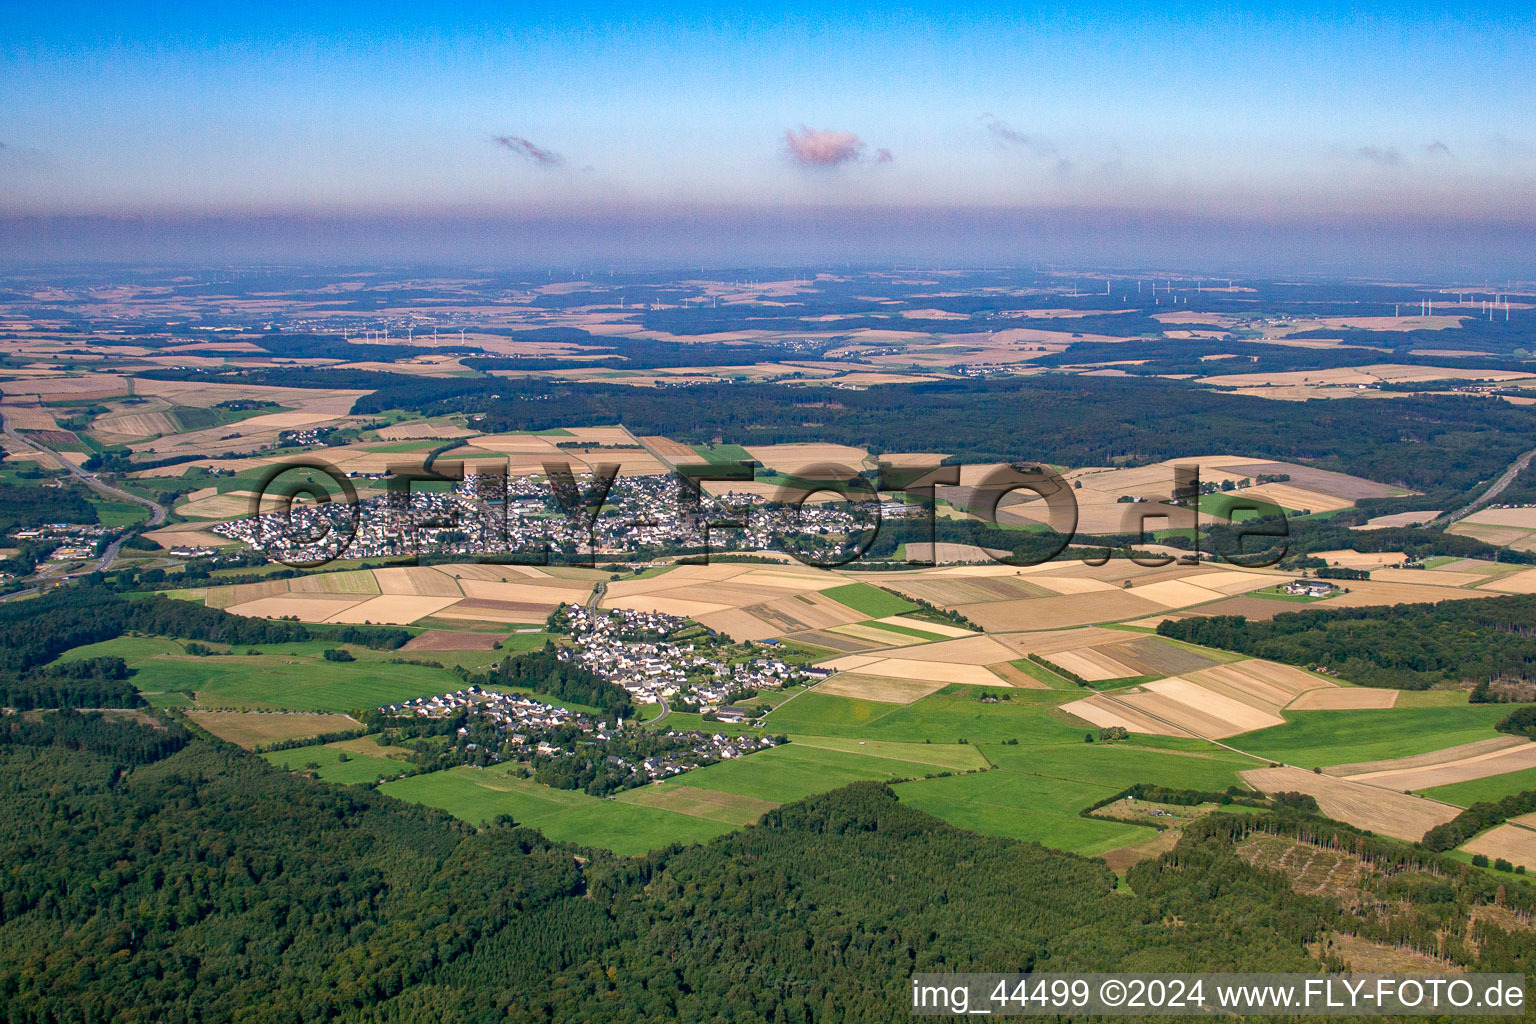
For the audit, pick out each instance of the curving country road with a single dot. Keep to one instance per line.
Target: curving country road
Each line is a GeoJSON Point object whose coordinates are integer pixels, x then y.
{"type": "Point", "coordinates": [157, 512]}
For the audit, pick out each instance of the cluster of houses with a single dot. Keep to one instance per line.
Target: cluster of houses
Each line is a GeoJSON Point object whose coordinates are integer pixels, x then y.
{"type": "Point", "coordinates": [1309, 588]}
{"type": "Point", "coordinates": [530, 730]}
{"type": "Point", "coordinates": [524, 720]}
{"type": "Point", "coordinates": [76, 541]}
{"type": "Point", "coordinates": [687, 751]}
{"type": "Point", "coordinates": [605, 642]}
{"type": "Point", "coordinates": [490, 514]}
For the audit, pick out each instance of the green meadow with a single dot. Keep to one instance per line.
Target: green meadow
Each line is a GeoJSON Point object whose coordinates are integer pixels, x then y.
{"type": "Point", "coordinates": [870, 600]}
{"type": "Point", "coordinates": [356, 768]}
{"type": "Point", "coordinates": [1314, 739]}
{"type": "Point", "coordinates": [479, 795]}
{"type": "Point", "coordinates": [1494, 787]}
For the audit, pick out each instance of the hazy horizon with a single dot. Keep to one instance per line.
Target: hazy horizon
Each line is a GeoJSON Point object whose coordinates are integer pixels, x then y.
{"type": "Point", "coordinates": [1284, 138]}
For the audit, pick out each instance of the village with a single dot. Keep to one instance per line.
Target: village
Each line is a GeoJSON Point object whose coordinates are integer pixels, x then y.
{"type": "Point", "coordinates": [496, 514]}
{"type": "Point", "coordinates": [568, 749]}
{"type": "Point", "coordinates": [626, 647]}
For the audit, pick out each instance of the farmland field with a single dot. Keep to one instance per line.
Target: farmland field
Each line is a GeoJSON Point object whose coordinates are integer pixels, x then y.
{"type": "Point", "coordinates": [356, 768]}
{"type": "Point", "coordinates": [1321, 738]}
{"type": "Point", "coordinates": [870, 600]}
{"type": "Point", "coordinates": [480, 795]}
{"type": "Point", "coordinates": [1492, 788]}
{"type": "Point", "coordinates": [250, 729]}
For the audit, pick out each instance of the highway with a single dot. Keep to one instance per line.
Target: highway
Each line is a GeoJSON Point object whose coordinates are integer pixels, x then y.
{"type": "Point", "coordinates": [157, 512]}
{"type": "Point", "coordinates": [1494, 490]}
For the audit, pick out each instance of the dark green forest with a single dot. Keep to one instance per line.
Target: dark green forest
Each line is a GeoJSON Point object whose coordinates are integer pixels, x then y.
{"type": "Point", "coordinates": [206, 885]}
{"type": "Point", "coordinates": [34, 632]}
{"type": "Point", "coordinates": [174, 878]}
{"type": "Point", "coordinates": [1408, 646]}
{"type": "Point", "coordinates": [1441, 444]}
{"type": "Point", "coordinates": [543, 672]}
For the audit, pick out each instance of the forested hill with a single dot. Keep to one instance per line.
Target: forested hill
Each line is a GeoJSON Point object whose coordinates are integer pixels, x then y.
{"type": "Point", "coordinates": [1409, 646]}
{"type": "Point", "coordinates": [207, 885]}
{"type": "Point", "coordinates": [35, 631]}
{"type": "Point", "coordinates": [1424, 442]}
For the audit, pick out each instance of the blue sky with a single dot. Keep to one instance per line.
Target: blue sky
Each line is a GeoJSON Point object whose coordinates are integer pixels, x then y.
{"type": "Point", "coordinates": [1302, 115]}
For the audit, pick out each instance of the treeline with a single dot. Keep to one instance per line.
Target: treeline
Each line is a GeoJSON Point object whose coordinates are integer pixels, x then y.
{"type": "Point", "coordinates": [86, 683]}
{"type": "Point", "coordinates": [1521, 722]}
{"type": "Point", "coordinates": [1414, 898]}
{"type": "Point", "coordinates": [35, 631]}
{"type": "Point", "coordinates": [1157, 356]}
{"type": "Point", "coordinates": [210, 886]}
{"type": "Point", "coordinates": [1268, 540]}
{"type": "Point", "coordinates": [1407, 646]}
{"type": "Point", "coordinates": [123, 743]}
{"type": "Point", "coordinates": [544, 672]}
{"type": "Point", "coordinates": [1480, 817]}
{"type": "Point", "coordinates": [24, 505]}
{"type": "Point", "coordinates": [1429, 443]}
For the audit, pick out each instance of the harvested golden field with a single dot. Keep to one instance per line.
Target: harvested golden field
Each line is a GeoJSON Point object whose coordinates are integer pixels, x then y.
{"type": "Point", "coordinates": [793, 459]}
{"type": "Point", "coordinates": [1179, 593]}
{"type": "Point", "coordinates": [928, 627]}
{"type": "Point", "coordinates": [1299, 499]}
{"type": "Point", "coordinates": [132, 425]}
{"type": "Point", "coordinates": [936, 672]}
{"type": "Point", "coordinates": [804, 611]}
{"type": "Point", "coordinates": [739, 625]}
{"type": "Point", "coordinates": [873, 634]}
{"type": "Point", "coordinates": [1427, 577]}
{"type": "Point", "coordinates": [1345, 698]}
{"type": "Point", "coordinates": [186, 536]}
{"type": "Point", "coordinates": [416, 581]}
{"type": "Point", "coordinates": [30, 417]}
{"type": "Point", "coordinates": [887, 689]}
{"type": "Point", "coordinates": [1105, 713]}
{"type": "Point", "coordinates": [1367, 807]}
{"type": "Point", "coordinates": [1399, 519]}
{"type": "Point", "coordinates": [87, 387]}
{"type": "Point", "coordinates": [422, 429]}
{"type": "Point", "coordinates": [231, 505]}
{"type": "Point", "coordinates": [547, 592]}
{"type": "Point", "coordinates": [304, 607]}
{"type": "Point", "coordinates": [1514, 843]}
{"type": "Point", "coordinates": [1443, 767]}
{"type": "Point", "coordinates": [1357, 375]}
{"type": "Point", "coordinates": [951, 554]}
{"type": "Point", "coordinates": [1057, 612]}
{"type": "Point", "coordinates": [975, 649]}
{"type": "Point", "coordinates": [391, 609]}
{"type": "Point", "coordinates": [225, 596]}
{"type": "Point", "coordinates": [1523, 582]}
{"type": "Point", "coordinates": [359, 581]}
{"type": "Point", "coordinates": [1273, 684]}
{"type": "Point", "coordinates": [250, 729]}
{"type": "Point", "coordinates": [674, 452]}
{"type": "Point", "coordinates": [451, 640]}
{"type": "Point", "coordinates": [1200, 709]}
{"type": "Point", "coordinates": [509, 612]}
{"type": "Point", "coordinates": [1063, 640]}
{"type": "Point", "coordinates": [1520, 518]}
{"type": "Point", "coordinates": [1093, 665]}
{"type": "Point", "coordinates": [687, 608]}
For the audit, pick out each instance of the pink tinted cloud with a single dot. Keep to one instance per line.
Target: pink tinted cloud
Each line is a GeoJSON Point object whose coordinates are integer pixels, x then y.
{"type": "Point", "coordinates": [522, 147]}
{"type": "Point", "coordinates": [818, 147]}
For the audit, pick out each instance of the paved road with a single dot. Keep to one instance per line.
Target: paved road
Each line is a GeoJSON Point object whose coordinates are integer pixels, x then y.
{"type": "Point", "coordinates": [157, 512]}
{"type": "Point", "coordinates": [1494, 490]}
